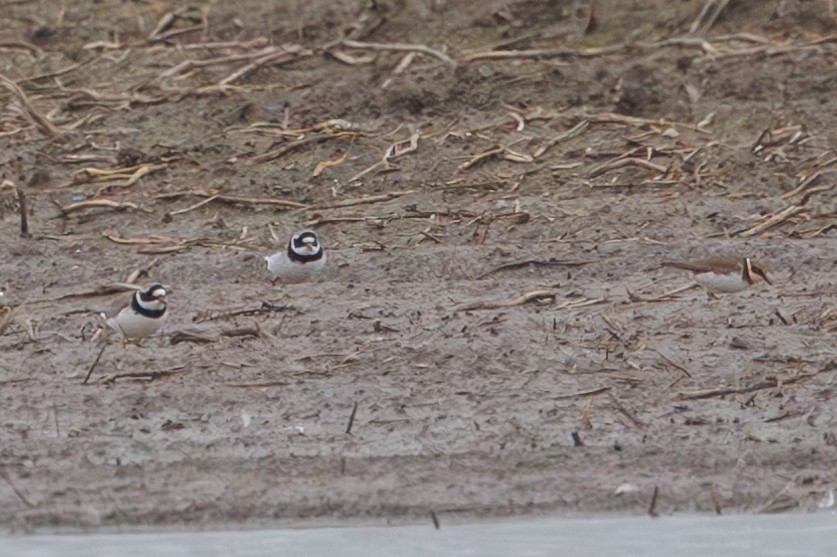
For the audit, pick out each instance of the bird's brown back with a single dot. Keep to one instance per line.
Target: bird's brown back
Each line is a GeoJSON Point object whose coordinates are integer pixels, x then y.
{"type": "Point", "coordinates": [721, 265]}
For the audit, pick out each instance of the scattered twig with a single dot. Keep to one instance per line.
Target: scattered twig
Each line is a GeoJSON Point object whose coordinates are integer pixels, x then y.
{"type": "Point", "coordinates": [149, 375]}
{"type": "Point", "coordinates": [614, 118]}
{"type": "Point", "coordinates": [23, 206]}
{"type": "Point", "coordinates": [546, 53]}
{"type": "Point", "coordinates": [818, 231]}
{"type": "Point", "coordinates": [780, 503]}
{"type": "Point", "coordinates": [634, 421]}
{"type": "Point", "coordinates": [196, 338]}
{"type": "Point", "coordinates": [351, 419]}
{"type": "Point", "coordinates": [812, 191]}
{"type": "Point", "coordinates": [331, 126]}
{"type": "Point", "coordinates": [536, 262]}
{"type": "Point", "coordinates": [103, 290]}
{"type": "Point", "coordinates": [322, 165]}
{"type": "Point", "coordinates": [24, 213]}
{"type": "Point", "coordinates": [293, 145]}
{"type": "Point", "coordinates": [535, 295]}
{"type": "Point", "coordinates": [266, 308]}
{"type": "Point", "coordinates": [620, 162]}
{"type": "Point", "coordinates": [584, 394]}
{"type": "Point", "coordinates": [773, 220]}
{"type": "Point", "coordinates": [130, 175]}
{"type": "Point", "coordinates": [634, 297]}
{"type": "Point", "coordinates": [234, 199]}
{"type": "Point", "coordinates": [174, 33]}
{"type": "Point", "coordinates": [573, 132]}
{"type": "Point", "coordinates": [808, 181]}
{"type": "Point", "coordinates": [153, 240]}
{"type": "Point", "coordinates": [364, 200]}
{"type": "Point", "coordinates": [21, 45]}
{"type": "Point", "coordinates": [399, 47]}
{"type": "Point", "coordinates": [653, 505]}
{"type": "Point", "coordinates": [715, 503]}
{"type": "Point", "coordinates": [39, 120]}
{"type": "Point", "coordinates": [405, 62]}
{"type": "Point", "coordinates": [197, 205]}
{"type": "Point", "coordinates": [675, 364]}
{"type": "Point", "coordinates": [7, 315]}
{"type": "Point", "coordinates": [575, 304]}
{"type": "Point", "coordinates": [16, 491]}
{"type": "Point", "coordinates": [94, 203]}
{"type": "Point", "coordinates": [481, 156]}
{"type": "Point", "coordinates": [708, 15]}
{"type": "Point", "coordinates": [242, 332]}
{"type": "Point", "coordinates": [262, 385]}
{"type": "Point", "coordinates": [95, 362]}
{"type": "Point", "coordinates": [383, 164]}
{"type": "Point", "coordinates": [319, 220]}
{"type": "Point", "coordinates": [162, 26]}
{"type": "Point", "coordinates": [789, 135]}
{"type": "Point", "coordinates": [769, 383]}
{"type": "Point", "coordinates": [272, 53]}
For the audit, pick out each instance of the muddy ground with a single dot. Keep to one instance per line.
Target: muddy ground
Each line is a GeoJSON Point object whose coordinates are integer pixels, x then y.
{"type": "Point", "coordinates": [493, 335]}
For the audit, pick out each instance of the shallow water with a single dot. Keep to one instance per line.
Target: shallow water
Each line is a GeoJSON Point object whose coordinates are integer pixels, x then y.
{"type": "Point", "coordinates": [743, 536]}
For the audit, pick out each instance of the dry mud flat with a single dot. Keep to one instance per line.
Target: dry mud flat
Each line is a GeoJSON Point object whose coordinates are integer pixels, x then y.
{"type": "Point", "coordinates": [491, 337]}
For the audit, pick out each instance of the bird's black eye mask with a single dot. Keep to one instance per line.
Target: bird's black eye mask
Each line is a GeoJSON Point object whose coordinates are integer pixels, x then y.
{"type": "Point", "coordinates": [300, 241]}
{"type": "Point", "coordinates": [297, 253]}
{"type": "Point", "coordinates": [153, 292]}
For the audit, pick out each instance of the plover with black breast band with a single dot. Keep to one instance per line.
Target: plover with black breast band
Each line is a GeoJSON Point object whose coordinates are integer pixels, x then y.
{"type": "Point", "coordinates": [302, 260]}
{"type": "Point", "coordinates": [721, 275]}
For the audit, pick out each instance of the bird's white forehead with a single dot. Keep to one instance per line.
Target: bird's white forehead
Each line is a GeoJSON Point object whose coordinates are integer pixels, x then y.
{"type": "Point", "coordinates": [159, 291]}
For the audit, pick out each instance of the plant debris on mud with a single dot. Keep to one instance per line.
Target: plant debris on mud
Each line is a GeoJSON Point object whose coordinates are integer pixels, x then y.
{"type": "Point", "coordinates": [496, 183]}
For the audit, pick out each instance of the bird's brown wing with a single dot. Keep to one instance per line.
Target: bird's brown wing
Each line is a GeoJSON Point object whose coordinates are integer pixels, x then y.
{"type": "Point", "coordinates": [717, 264]}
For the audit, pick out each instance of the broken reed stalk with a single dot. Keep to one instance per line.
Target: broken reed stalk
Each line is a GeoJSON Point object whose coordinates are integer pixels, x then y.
{"type": "Point", "coordinates": [95, 362]}
{"type": "Point", "coordinates": [774, 220]}
{"type": "Point", "coordinates": [535, 295]}
{"type": "Point", "coordinates": [767, 383]}
{"type": "Point", "coordinates": [7, 315]}
{"type": "Point", "coordinates": [546, 53]}
{"type": "Point", "coordinates": [148, 375]}
{"type": "Point", "coordinates": [234, 199]}
{"type": "Point", "coordinates": [400, 47]}
{"type": "Point", "coordinates": [24, 212]}
{"type": "Point", "coordinates": [351, 419]}
{"type": "Point", "coordinates": [707, 16]}
{"type": "Point", "coordinates": [23, 207]}
{"type": "Point", "coordinates": [17, 492]}
{"type": "Point", "coordinates": [101, 203]}
{"type": "Point", "coordinates": [39, 120]}
{"type": "Point", "coordinates": [652, 507]}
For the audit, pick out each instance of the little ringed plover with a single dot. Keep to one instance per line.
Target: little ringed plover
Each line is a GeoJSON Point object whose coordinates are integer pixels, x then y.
{"type": "Point", "coordinates": [143, 316]}
{"type": "Point", "coordinates": [724, 274]}
{"type": "Point", "coordinates": [302, 260]}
